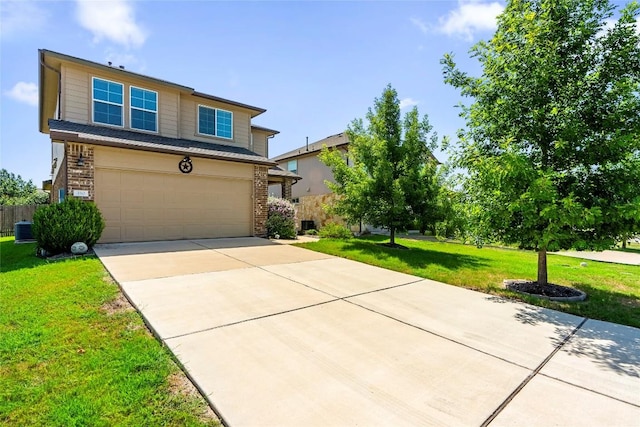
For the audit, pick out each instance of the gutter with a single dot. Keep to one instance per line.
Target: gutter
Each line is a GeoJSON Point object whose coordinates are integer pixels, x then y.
{"type": "Point", "coordinates": [44, 64]}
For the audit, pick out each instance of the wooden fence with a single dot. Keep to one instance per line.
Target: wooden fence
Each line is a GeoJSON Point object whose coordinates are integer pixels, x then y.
{"type": "Point", "coordinates": [9, 215]}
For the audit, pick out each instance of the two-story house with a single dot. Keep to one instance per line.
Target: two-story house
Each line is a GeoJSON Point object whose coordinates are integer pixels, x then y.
{"type": "Point", "coordinates": [160, 160]}
{"type": "Point", "coordinates": [311, 194]}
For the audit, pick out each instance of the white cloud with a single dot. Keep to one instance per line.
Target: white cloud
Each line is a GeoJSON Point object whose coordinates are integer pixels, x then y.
{"type": "Point", "coordinates": [113, 20]}
{"type": "Point", "coordinates": [470, 17]}
{"type": "Point", "coordinates": [21, 16]}
{"type": "Point", "coordinates": [420, 25]}
{"type": "Point", "coordinates": [407, 102]}
{"type": "Point", "coordinates": [24, 92]}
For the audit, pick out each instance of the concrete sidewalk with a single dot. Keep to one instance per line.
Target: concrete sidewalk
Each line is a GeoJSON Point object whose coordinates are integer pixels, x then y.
{"type": "Point", "coordinates": [617, 257]}
{"type": "Point", "coordinates": [278, 335]}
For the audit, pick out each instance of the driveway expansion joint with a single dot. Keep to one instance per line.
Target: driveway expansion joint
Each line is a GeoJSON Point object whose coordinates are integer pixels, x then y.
{"type": "Point", "coordinates": [435, 333]}
{"type": "Point", "coordinates": [532, 375]}
{"type": "Point", "coordinates": [626, 402]}
{"type": "Point", "coordinates": [251, 319]}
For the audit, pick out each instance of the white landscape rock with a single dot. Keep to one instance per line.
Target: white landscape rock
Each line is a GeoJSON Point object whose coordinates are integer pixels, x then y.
{"type": "Point", "coordinates": [79, 248]}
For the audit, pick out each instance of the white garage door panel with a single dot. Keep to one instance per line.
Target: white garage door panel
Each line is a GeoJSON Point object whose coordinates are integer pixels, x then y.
{"type": "Point", "coordinates": [139, 206]}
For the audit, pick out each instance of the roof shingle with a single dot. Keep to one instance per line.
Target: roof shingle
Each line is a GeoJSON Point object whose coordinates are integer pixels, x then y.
{"type": "Point", "coordinates": [122, 138]}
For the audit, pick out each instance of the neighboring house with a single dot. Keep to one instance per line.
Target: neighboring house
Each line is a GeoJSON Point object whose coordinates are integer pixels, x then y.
{"type": "Point", "coordinates": [161, 160]}
{"type": "Point", "coordinates": [311, 194]}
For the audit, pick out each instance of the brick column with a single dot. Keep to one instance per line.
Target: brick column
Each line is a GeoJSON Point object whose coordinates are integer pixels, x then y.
{"type": "Point", "coordinates": [286, 189]}
{"type": "Point", "coordinates": [80, 177]}
{"type": "Point", "coordinates": [260, 193]}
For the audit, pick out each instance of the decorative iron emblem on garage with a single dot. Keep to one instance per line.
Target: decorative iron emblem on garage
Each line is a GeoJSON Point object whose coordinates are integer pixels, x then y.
{"type": "Point", "coordinates": [185, 165]}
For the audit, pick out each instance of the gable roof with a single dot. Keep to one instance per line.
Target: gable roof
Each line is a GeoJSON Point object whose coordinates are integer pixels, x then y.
{"type": "Point", "coordinates": [336, 140]}
{"type": "Point", "coordinates": [112, 137]}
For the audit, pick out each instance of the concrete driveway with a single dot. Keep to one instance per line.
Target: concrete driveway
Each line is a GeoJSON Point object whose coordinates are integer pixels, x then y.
{"type": "Point", "coordinates": [278, 335]}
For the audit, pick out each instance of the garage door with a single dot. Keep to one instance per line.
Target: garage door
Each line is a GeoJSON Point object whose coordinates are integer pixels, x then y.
{"type": "Point", "coordinates": [145, 205]}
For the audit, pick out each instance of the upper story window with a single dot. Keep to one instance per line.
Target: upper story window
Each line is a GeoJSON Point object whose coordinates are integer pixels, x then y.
{"type": "Point", "coordinates": [215, 122]}
{"type": "Point", "coordinates": [144, 109]}
{"type": "Point", "coordinates": [107, 102]}
{"type": "Point", "coordinates": [292, 166]}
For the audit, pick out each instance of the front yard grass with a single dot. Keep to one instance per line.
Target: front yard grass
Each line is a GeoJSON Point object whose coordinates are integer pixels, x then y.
{"type": "Point", "coordinates": [73, 352]}
{"type": "Point", "coordinates": [613, 290]}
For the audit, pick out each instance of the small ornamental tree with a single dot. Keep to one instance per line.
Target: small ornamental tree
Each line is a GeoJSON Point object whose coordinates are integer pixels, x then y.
{"type": "Point", "coordinates": [281, 218]}
{"type": "Point", "coordinates": [388, 180]}
{"type": "Point", "coordinates": [551, 147]}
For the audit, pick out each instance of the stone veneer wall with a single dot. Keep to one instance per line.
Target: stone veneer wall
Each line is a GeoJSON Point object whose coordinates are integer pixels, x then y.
{"type": "Point", "coordinates": [312, 208]}
{"type": "Point", "coordinates": [80, 177]}
{"type": "Point", "coordinates": [260, 193]}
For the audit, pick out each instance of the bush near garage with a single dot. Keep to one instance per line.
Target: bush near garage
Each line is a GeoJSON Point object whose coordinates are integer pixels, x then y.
{"type": "Point", "coordinates": [281, 218]}
{"type": "Point", "coordinates": [56, 227]}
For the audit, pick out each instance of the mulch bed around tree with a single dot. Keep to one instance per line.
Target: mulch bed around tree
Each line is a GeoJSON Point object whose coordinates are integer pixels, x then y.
{"type": "Point", "coordinates": [549, 291]}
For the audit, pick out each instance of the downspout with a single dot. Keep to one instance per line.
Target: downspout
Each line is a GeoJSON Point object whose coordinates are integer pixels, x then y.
{"type": "Point", "coordinates": [267, 148]}
{"type": "Point", "coordinates": [66, 171]}
{"type": "Point", "coordinates": [44, 64]}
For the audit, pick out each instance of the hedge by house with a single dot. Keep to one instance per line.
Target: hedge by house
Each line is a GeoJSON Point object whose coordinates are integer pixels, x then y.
{"type": "Point", "coordinates": [56, 227]}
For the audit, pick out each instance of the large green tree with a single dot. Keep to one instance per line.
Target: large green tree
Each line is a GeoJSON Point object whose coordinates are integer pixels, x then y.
{"type": "Point", "coordinates": [552, 144]}
{"type": "Point", "coordinates": [388, 176]}
{"type": "Point", "coordinates": [16, 191]}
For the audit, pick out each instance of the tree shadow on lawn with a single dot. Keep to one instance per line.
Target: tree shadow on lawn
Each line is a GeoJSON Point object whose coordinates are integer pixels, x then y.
{"type": "Point", "coordinates": [611, 346]}
{"type": "Point", "coordinates": [16, 257]}
{"type": "Point", "coordinates": [628, 250]}
{"type": "Point", "coordinates": [23, 256]}
{"type": "Point", "coordinates": [414, 257]}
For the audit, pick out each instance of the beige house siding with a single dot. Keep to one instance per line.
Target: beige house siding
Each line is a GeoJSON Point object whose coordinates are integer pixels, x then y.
{"type": "Point", "coordinates": [108, 157]}
{"type": "Point", "coordinates": [168, 114]}
{"type": "Point", "coordinates": [77, 99]}
{"type": "Point", "coordinates": [313, 173]}
{"type": "Point", "coordinates": [76, 95]}
{"type": "Point", "coordinates": [189, 118]}
{"type": "Point", "coordinates": [260, 143]}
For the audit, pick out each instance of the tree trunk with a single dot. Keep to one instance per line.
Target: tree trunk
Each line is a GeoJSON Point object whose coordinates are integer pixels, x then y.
{"type": "Point", "coordinates": [542, 267]}
{"type": "Point", "coordinates": [392, 235]}
{"type": "Point", "coordinates": [624, 243]}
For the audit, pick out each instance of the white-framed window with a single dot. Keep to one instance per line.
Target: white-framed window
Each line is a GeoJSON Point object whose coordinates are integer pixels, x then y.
{"type": "Point", "coordinates": [107, 102]}
{"type": "Point", "coordinates": [143, 109]}
{"type": "Point", "coordinates": [292, 166]}
{"type": "Point", "coordinates": [215, 122]}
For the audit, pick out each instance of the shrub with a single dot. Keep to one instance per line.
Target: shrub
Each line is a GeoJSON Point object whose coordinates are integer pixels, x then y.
{"type": "Point", "coordinates": [281, 218]}
{"type": "Point", "coordinates": [335, 231]}
{"type": "Point", "coordinates": [56, 227]}
{"type": "Point", "coordinates": [311, 232]}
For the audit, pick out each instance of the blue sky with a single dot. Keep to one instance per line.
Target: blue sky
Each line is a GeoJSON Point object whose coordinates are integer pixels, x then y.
{"type": "Point", "coordinates": [314, 66]}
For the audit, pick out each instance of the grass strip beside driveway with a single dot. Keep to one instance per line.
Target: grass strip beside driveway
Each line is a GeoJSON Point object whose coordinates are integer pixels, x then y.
{"type": "Point", "coordinates": [613, 290]}
{"type": "Point", "coordinates": [74, 352]}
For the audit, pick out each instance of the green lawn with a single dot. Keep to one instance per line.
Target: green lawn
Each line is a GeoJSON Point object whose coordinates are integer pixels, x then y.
{"type": "Point", "coordinates": [73, 352]}
{"type": "Point", "coordinates": [613, 290]}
